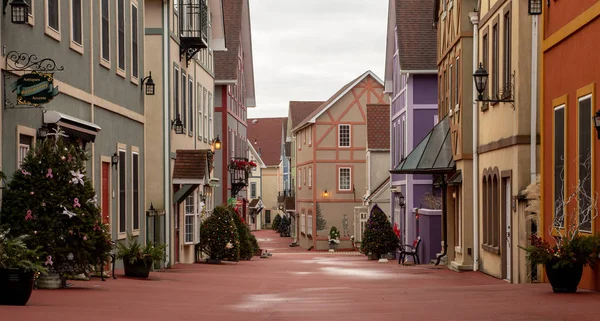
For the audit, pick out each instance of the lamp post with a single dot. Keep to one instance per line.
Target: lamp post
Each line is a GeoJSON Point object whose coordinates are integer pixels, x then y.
{"type": "Point", "coordinates": [19, 11]}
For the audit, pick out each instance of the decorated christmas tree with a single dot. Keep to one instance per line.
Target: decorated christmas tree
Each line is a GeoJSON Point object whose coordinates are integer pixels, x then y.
{"type": "Point", "coordinates": [246, 251]}
{"type": "Point", "coordinates": [219, 238]}
{"type": "Point", "coordinates": [379, 237]}
{"type": "Point", "coordinates": [276, 222]}
{"type": "Point", "coordinates": [51, 199]}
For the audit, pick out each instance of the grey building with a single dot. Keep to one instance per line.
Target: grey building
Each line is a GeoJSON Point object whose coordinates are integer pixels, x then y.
{"type": "Point", "coordinates": [100, 101]}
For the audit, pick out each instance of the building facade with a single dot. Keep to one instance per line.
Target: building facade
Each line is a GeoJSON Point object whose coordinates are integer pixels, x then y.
{"type": "Point", "coordinates": [182, 37]}
{"type": "Point", "coordinates": [99, 102]}
{"type": "Point", "coordinates": [411, 82]}
{"type": "Point", "coordinates": [255, 215]}
{"type": "Point", "coordinates": [234, 93]}
{"type": "Point", "coordinates": [331, 160]}
{"type": "Point", "coordinates": [570, 149]}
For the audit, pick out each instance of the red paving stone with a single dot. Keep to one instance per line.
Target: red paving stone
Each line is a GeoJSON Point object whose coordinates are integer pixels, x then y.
{"type": "Point", "coordinates": [305, 286]}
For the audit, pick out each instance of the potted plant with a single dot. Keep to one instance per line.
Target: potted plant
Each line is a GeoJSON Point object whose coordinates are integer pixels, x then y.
{"type": "Point", "coordinates": [137, 258]}
{"type": "Point", "coordinates": [334, 238]}
{"type": "Point", "coordinates": [18, 267]}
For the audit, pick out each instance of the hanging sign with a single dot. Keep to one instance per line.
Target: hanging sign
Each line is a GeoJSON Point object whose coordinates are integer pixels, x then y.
{"type": "Point", "coordinates": [35, 88]}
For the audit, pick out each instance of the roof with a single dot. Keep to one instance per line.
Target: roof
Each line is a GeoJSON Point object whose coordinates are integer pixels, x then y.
{"type": "Point", "coordinates": [432, 155]}
{"type": "Point", "coordinates": [253, 203]}
{"type": "Point", "coordinates": [254, 153]}
{"type": "Point", "coordinates": [312, 117]}
{"type": "Point", "coordinates": [380, 188]}
{"type": "Point", "coordinates": [299, 110]}
{"type": "Point", "coordinates": [265, 136]}
{"type": "Point", "coordinates": [236, 17]}
{"type": "Point", "coordinates": [417, 39]}
{"type": "Point", "coordinates": [378, 126]}
{"type": "Point", "coordinates": [190, 165]}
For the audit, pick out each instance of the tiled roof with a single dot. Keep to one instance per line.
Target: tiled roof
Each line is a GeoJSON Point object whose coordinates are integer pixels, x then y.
{"type": "Point", "coordinates": [299, 110]}
{"type": "Point", "coordinates": [253, 203]}
{"type": "Point", "coordinates": [378, 126]}
{"type": "Point", "coordinates": [190, 164]}
{"type": "Point", "coordinates": [417, 39]}
{"type": "Point", "coordinates": [226, 62]}
{"type": "Point", "coordinates": [265, 135]}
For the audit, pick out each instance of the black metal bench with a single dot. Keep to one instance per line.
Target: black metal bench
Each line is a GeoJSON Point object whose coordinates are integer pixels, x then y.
{"type": "Point", "coordinates": [410, 250]}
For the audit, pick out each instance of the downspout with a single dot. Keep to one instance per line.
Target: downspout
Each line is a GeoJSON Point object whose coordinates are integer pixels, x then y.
{"type": "Point", "coordinates": [166, 133]}
{"type": "Point", "coordinates": [474, 16]}
{"type": "Point", "coordinates": [444, 220]}
{"type": "Point", "coordinates": [534, 98]}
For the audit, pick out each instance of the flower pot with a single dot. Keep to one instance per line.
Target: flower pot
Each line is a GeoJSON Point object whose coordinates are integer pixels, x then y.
{"type": "Point", "coordinates": [15, 286]}
{"type": "Point", "coordinates": [333, 246]}
{"type": "Point", "coordinates": [564, 279]}
{"type": "Point", "coordinates": [139, 269]}
{"type": "Point", "coordinates": [49, 281]}
{"type": "Point", "coordinates": [213, 261]}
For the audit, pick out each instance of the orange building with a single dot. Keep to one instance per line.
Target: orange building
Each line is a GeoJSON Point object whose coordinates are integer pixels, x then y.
{"type": "Point", "coordinates": [569, 78]}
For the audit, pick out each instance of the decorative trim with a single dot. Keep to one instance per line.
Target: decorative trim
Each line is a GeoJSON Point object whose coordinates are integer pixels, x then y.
{"type": "Point", "coordinates": [570, 28]}
{"type": "Point", "coordinates": [506, 142]}
{"type": "Point", "coordinates": [491, 12]}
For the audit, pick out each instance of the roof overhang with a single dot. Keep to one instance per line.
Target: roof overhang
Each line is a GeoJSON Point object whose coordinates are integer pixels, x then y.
{"type": "Point", "coordinates": [182, 193]}
{"type": "Point", "coordinates": [72, 125]}
{"type": "Point", "coordinates": [389, 48]}
{"type": "Point", "coordinates": [217, 25]}
{"type": "Point", "coordinates": [434, 71]}
{"type": "Point", "coordinates": [226, 82]}
{"type": "Point", "coordinates": [190, 167]}
{"type": "Point", "coordinates": [247, 50]}
{"type": "Point", "coordinates": [255, 154]}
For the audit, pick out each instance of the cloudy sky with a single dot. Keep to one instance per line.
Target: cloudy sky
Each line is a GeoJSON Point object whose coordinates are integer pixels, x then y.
{"type": "Point", "coordinates": [307, 50]}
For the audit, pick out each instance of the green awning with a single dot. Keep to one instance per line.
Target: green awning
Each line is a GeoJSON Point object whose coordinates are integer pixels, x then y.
{"type": "Point", "coordinates": [183, 193]}
{"type": "Point", "coordinates": [433, 155]}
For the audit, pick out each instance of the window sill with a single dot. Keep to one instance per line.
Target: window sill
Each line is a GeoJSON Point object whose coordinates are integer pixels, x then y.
{"type": "Point", "coordinates": [52, 33]}
{"type": "Point", "coordinates": [121, 72]}
{"type": "Point", "coordinates": [189, 244]}
{"type": "Point", "coordinates": [135, 80]}
{"type": "Point", "coordinates": [76, 47]}
{"type": "Point", "coordinates": [31, 21]}
{"type": "Point", "coordinates": [105, 63]}
{"type": "Point", "coordinates": [122, 236]}
{"type": "Point", "coordinates": [136, 232]}
{"type": "Point", "coordinates": [491, 249]}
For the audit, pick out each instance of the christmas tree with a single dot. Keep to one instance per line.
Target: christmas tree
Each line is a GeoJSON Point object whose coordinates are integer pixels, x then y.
{"type": "Point", "coordinates": [51, 199]}
{"type": "Point", "coordinates": [379, 237]}
{"type": "Point", "coordinates": [321, 221]}
{"type": "Point", "coordinates": [219, 238]}
{"type": "Point", "coordinates": [246, 251]}
{"type": "Point", "coordinates": [276, 222]}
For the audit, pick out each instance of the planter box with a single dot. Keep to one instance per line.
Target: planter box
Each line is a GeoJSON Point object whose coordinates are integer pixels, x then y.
{"type": "Point", "coordinates": [139, 269]}
{"type": "Point", "coordinates": [15, 286]}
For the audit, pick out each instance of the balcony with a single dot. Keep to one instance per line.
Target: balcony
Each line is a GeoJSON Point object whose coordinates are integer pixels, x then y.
{"type": "Point", "coordinates": [286, 200]}
{"type": "Point", "coordinates": [193, 28]}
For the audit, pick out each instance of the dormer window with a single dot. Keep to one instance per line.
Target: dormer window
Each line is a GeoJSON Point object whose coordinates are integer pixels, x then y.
{"type": "Point", "coordinates": [193, 27]}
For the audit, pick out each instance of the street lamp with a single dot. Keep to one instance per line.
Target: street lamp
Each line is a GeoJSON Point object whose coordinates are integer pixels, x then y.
{"type": "Point", "coordinates": [481, 77]}
{"type": "Point", "coordinates": [177, 124]}
{"type": "Point", "coordinates": [19, 10]}
{"type": "Point", "coordinates": [597, 122]}
{"type": "Point", "coordinates": [149, 85]}
{"type": "Point", "coordinates": [535, 7]}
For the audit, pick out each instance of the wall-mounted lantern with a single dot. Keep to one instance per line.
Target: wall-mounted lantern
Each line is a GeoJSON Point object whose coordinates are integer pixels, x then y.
{"type": "Point", "coordinates": [19, 11]}
{"type": "Point", "coordinates": [149, 85]}
{"type": "Point", "coordinates": [114, 159]}
{"type": "Point", "coordinates": [481, 80]}
{"type": "Point", "coordinates": [177, 124]}
{"type": "Point", "coordinates": [535, 7]}
{"type": "Point", "coordinates": [401, 201]}
{"type": "Point", "coordinates": [216, 143]}
{"type": "Point", "coordinates": [597, 122]}
{"type": "Point", "coordinates": [325, 194]}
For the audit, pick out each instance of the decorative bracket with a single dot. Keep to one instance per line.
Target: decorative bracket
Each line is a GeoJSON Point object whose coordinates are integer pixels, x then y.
{"type": "Point", "coordinates": [506, 94]}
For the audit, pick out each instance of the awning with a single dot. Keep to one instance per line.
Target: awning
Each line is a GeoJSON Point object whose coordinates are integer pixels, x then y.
{"type": "Point", "coordinates": [433, 155]}
{"type": "Point", "coordinates": [190, 167]}
{"type": "Point", "coordinates": [456, 179]}
{"type": "Point", "coordinates": [183, 193]}
{"type": "Point", "coordinates": [72, 126]}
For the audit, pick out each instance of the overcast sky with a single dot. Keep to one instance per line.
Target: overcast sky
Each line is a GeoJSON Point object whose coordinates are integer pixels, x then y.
{"type": "Point", "coordinates": [307, 50]}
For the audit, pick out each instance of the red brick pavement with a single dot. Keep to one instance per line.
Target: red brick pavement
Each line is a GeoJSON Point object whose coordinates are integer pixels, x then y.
{"type": "Point", "coordinates": [305, 286]}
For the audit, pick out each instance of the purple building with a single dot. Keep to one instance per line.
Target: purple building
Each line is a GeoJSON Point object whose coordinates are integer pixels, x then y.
{"type": "Point", "coordinates": [411, 81]}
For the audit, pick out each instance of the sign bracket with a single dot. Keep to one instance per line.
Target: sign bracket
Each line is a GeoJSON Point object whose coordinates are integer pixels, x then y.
{"type": "Point", "coordinates": [22, 64]}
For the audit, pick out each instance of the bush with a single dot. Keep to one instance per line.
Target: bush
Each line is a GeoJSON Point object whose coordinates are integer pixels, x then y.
{"type": "Point", "coordinates": [276, 222]}
{"type": "Point", "coordinates": [243, 230]}
{"type": "Point", "coordinates": [284, 226]}
{"type": "Point", "coordinates": [379, 237]}
{"type": "Point", "coordinates": [219, 238]}
{"type": "Point", "coordinates": [254, 241]}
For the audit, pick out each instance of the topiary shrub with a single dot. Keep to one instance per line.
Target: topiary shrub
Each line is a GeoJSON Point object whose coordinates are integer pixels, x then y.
{"type": "Point", "coordinates": [276, 222]}
{"type": "Point", "coordinates": [219, 238]}
{"type": "Point", "coordinates": [379, 237]}
{"type": "Point", "coordinates": [246, 251]}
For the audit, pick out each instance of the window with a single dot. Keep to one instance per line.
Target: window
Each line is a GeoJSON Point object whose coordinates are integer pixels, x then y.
{"type": "Point", "coordinates": [253, 190]}
{"type": "Point", "coordinates": [183, 100]}
{"type": "Point", "coordinates": [105, 30]}
{"type": "Point", "coordinates": [300, 178]}
{"type": "Point", "coordinates": [344, 178]}
{"type": "Point", "coordinates": [190, 216]}
{"type": "Point", "coordinates": [122, 192]}
{"type": "Point", "coordinates": [457, 82]}
{"type": "Point", "coordinates": [121, 34]}
{"type": "Point", "coordinates": [25, 143]}
{"type": "Point", "coordinates": [458, 220]}
{"type": "Point", "coordinates": [199, 98]}
{"type": "Point", "coordinates": [210, 119]}
{"type": "Point", "coordinates": [135, 73]}
{"type": "Point", "coordinates": [559, 165]}
{"type": "Point", "coordinates": [485, 57]}
{"type": "Point", "coordinates": [451, 89]}
{"type": "Point", "coordinates": [491, 211]}
{"type": "Point", "coordinates": [135, 168]}
{"type": "Point", "coordinates": [309, 136]}
{"type": "Point", "coordinates": [76, 25]}
{"type": "Point", "coordinates": [53, 15]}
{"type": "Point", "coordinates": [403, 151]}
{"type": "Point", "coordinates": [585, 158]}
{"type": "Point", "coordinates": [299, 142]}
{"type": "Point", "coordinates": [191, 102]}
{"type": "Point", "coordinates": [309, 223]}
{"type": "Point", "coordinates": [305, 174]}
{"type": "Point", "coordinates": [310, 177]}
{"type": "Point", "coordinates": [176, 92]}
{"type": "Point", "coordinates": [31, 10]}
{"type": "Point", "coordinates": [507, 49]}
{"type": "Point", "coordinates": [344, 135]}
{"type": "Point", "coordinates": [206, 106]}
{"type": "Point", "coordinates": [303, 222]}
{"type": "Point", "coordinates": [267, 216]}
{"type": "Point", "coordinates": [495, 61]}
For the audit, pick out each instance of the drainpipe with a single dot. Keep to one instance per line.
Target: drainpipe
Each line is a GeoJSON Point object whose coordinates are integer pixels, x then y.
{"type": "Point", "coordinates": [534, 98]}
{"type": "Point", "coordinates": [167, 134]}
{"type": "Point", "coordinates": [474, 16]}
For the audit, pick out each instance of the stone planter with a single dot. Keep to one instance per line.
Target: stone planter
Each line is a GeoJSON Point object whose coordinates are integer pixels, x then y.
{"type": "Point", "coordinates": [15, 286]}
{"type": "Point", "coordinates": [139, 269]}
{"type": "Point", "coordinates": [564, 279]}
{"type": "Point", "coordinates": [50, 281]}
{"type": "Point", "coordinates": [213, 261]}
